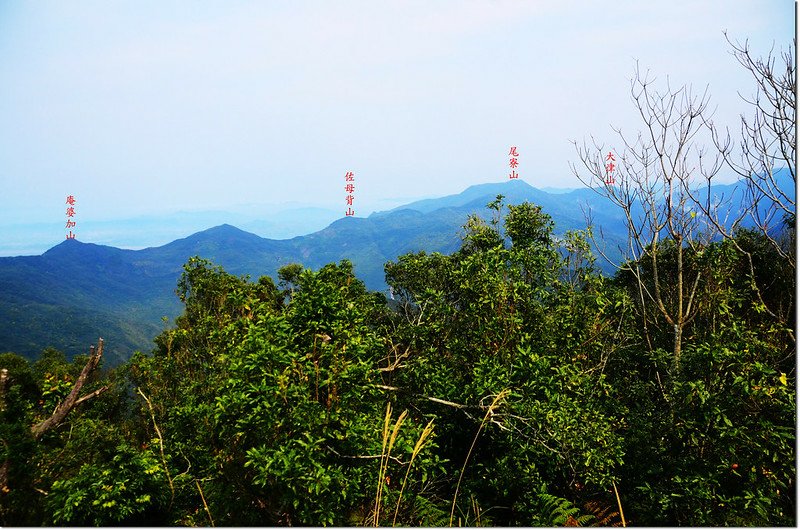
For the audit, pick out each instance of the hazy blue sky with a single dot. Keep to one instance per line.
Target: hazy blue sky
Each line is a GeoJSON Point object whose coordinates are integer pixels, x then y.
{"type": "Point", "coordinates": [140, 107]}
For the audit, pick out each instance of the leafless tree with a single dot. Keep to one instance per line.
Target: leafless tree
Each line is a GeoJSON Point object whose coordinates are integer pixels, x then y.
{"type": "Point", "coordinates": [766, 147]}
{"type": "Point", "coordinates": [767, 143]}
{"type": "Point", "coordinates": [652, 180]}
{"type": "Point", "coordinates": [662, 181]}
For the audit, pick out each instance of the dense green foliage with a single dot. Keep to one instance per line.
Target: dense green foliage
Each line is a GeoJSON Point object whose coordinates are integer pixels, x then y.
{"type": "Point", "coordinates": [508, 383]}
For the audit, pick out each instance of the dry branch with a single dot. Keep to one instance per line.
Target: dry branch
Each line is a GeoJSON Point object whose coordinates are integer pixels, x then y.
{"type": "Point", "coordinates": [72, 400]}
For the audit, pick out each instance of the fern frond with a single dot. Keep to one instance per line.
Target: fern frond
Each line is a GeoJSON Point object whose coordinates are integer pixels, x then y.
{"type": "Point", "coordinates": [604, 515]}
{"type": "Point", "coordinates": [427, 513]}
{"type": "Point", "coordinates": [563, 513]}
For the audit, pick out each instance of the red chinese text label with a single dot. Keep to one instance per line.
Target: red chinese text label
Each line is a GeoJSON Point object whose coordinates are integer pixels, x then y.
{"type": "Point", "coordinates": [70, 202]}
{"type": "Point", "coordinates": [513, 162]}
{"type": "Point", "coordinates": [610, 166]}
{"type": "Point", "coordinates": [350, 188]}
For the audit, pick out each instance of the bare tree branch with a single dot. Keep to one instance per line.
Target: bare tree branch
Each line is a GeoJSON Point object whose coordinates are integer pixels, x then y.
{"type": "Point", "coordinates": [767, 145]}
{"type": "Point", "coordinates": [69, 403]}
{"type": "Point", "coordinates": [656, 171]}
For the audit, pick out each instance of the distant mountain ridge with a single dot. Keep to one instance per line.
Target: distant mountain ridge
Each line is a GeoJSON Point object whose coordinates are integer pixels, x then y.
{"type": "Point", "coordinates": [77, 291]}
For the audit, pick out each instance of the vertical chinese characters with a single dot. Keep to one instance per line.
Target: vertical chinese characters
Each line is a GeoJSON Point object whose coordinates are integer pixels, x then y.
{"type": "Point", "coordinates": [349, 188]}
{"type": "Point", "coordinates": [513, 163]}
{"type": "Point", "coordinates": [610, 168]}
{"type": "Point", "coordinates": [70, 202]}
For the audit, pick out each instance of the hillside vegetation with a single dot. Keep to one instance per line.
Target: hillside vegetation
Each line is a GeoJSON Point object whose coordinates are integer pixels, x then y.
{"type": "Point", "coordinates": [508, 383]}
{"type": "Point", "coordinates": [63, 297]}
{"type": "Point", "coordinates": [505, 382]}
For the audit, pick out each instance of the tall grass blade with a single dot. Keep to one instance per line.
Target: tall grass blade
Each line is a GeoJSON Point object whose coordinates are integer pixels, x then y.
{"type": "Point", "coordinates": [495, 403]}
{"type": "Point", "coordinates": [426, 432]}
{"type": "Point", "coordinates": [619, 503]}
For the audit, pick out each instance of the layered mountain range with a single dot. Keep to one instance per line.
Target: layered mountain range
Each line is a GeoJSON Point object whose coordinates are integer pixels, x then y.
{"type": "Point", "coordinates": [76, 291]}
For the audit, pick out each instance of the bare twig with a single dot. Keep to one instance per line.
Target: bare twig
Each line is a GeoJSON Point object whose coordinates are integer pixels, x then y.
{"type": "Point", "coordinates": [205, 505]}
{"type": "Point", "coordinates": [160, 443]}
{"type": "Point", "coordinates": [365, 457]}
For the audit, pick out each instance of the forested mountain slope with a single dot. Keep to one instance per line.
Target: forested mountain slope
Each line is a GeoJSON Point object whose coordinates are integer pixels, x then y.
{"type": "Point", "coordinates": [507, 384]}
{"type": "Point", "coordinates": [75, 290]}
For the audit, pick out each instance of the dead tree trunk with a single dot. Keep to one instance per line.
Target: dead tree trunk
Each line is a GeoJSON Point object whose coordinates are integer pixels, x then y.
{"type": "Point", "coordinates": [72, 400]}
